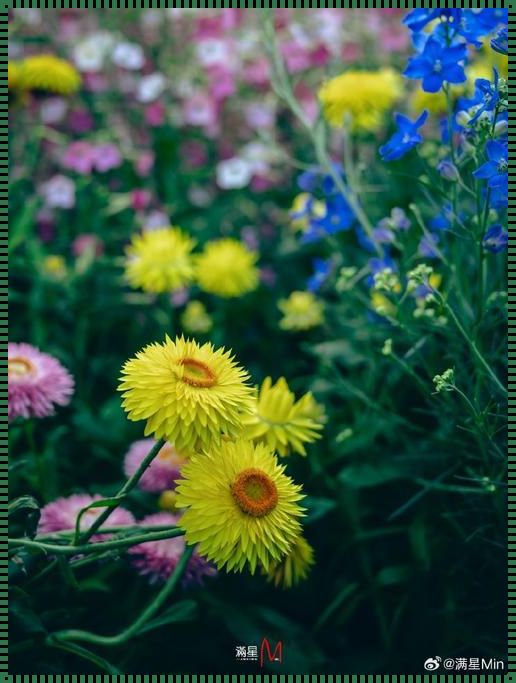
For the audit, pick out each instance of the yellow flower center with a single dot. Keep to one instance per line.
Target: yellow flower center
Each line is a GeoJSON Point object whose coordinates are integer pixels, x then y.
{"type": "Point", "coordinates": [19, 367]}
{"type": "Point", "coordinates": [255, 492]}
{"type": "Point", "coordinates": [196, 373]}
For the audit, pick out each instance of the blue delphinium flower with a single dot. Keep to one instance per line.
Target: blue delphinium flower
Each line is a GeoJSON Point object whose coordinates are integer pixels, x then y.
{"type": "Point", "coordinates": [485, 99]}
{"type": "Point", "coordinates": [495, 168]}
{"type": "Point", "coordinates": [322, 270]}
{"type": "Point", "coordinates": [419, 18]}
{"type": "Point", "coordinates": [338, 216]}
{"type": "Point", "coordinates": [500, 43]}
{"type": "Point", "coordinates": [428, 246]}
{"type": "Point", "coordinates": [398, 220]}
{"type": "Point", "coordinates": [495, 239]}
{"type": "Point", "coordinates": [404, 139]}
{"type": "Point", "coordinates": [438, 64]}
{"type": "Point", "coordinates": [443, 220]}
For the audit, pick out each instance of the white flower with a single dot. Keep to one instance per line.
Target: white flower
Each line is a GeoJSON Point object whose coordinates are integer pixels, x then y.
{"type": "Point", "coordinates": [213, 51]}
{"type": "Point", "coordinates": [53, 110]}
{"type": "Point", "coordinates": [59, 192]}
{"type": "Point", "coordinates": [150, 87]}
{"type": "Point", "coordinates": [234, 173]}
{"type": "Point", "coordinates": [90, 54]}
{"type": "Point", "coordinates": [128, 56]}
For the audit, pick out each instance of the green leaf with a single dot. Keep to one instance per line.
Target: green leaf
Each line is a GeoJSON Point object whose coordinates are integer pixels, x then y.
{"type": "Point", "coordinates": [317, 508]}
{"type": "Point", "coordinates": [181, 611]}
{"type": "Point", "coordinates": [23, 503]}
{"type": "Point", "coordinates": [22, 613]}
{"type": "Point", "coordinates": [22, 224]}
{"type": "Point", "coordinates": [367, 475]}
{"type": "Point", "coordinates": [27, 510]}
{"type": "Point", "coordinates": [390, 576]}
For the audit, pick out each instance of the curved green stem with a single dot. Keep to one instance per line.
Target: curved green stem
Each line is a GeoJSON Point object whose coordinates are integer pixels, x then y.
{"type": "Point", "coordinates": [136, 626]}
{"type": "Point", "coordinates": [128, 486]}
{"type": "Point", "coordinates": [89, 548]}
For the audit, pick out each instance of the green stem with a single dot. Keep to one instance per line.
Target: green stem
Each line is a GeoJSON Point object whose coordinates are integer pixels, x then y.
{"type": "Point", "coordinates": [90, 548]}
{"type": "Point", "coordinates": [472, 345]}
{"type": "Point", "coordinates": [126, 488]}
{"type": "Point", "coordinates": [147, 614]}
{"type": "Point", "coordinates": [37, 458]}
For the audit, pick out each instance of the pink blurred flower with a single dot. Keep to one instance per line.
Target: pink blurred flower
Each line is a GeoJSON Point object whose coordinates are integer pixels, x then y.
{"type": "Point", "coordinates": [61, 515]}
{"type": "Point", "coordinates": [257, 72]}
{"type": "Point", "coordinates": [37, 382]}
{"type": "Point", "coordinates": [222, 82]}
{"type": "Point", "coordinates": [80, 157]}
{"type": "Point", "coordinates": [320, 56]}
{"type": "Point", "coordinates": [296, 56]}
{"type": "Point", "coordinates": [268, 276]}
{"type": "Point", "coordinates": [107, 157]}
{"type": "Point", "coordinates": [163, 471]}
{"type": "Point", "coordinates": [80, 120]}
{"type": "Point", "coordinates": [352, 52]}
{"type": "Point", "coordinates": [193, 154]}
{"type": "Point", "coordinates": [261, 183]}
{"type": "Point", "coordinates": [179, 297]}
{"type": "Point", "coordinates": [200, 110]}
{"type": "Point", "coordinates": [87, 242]}
{"type": "Point", "coordinates": [46, 225]}
{"type": "Point", "coordinates": [95, 82]}
{"type": "Point", "coordinates": [158, 559]}
{"type": "Point", "coordinates": [260, 115]}
{"type": "Point", "coordinates": [156, 219]}
{"type": "Point", "coordinates": [155, 114]}
{"type": "Point", "coordinates": [394, 39]}
{"type": "Point", "coordinates": [250, 238]}
{"type": "Point", "coordinates": [140, 199]}
{"type": "Point", "coordinates": [59, 192]}
{"type": "Point", "coordinates": [144, 164]}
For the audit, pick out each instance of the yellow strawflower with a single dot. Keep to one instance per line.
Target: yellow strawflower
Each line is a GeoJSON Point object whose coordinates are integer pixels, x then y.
{"type": "Point", "coordinates": [196, 319]}
{"type": "Point", "coordinates": [188, 394]}
{"type": "Point", "coordinates": [362, 97]}
{"type": "Point", "coordinates": [294, 567]}
{"type": "Point", "coordinates": [227, 268]}
{"type": "Point", "coordinates": [241, 507]}
{"type": "Point", "coordinates": [50, 74]}
{"type": "Point", "coordinates": [301, 311]}
{"type": "Point", "coordinates": [160, 260]}
{"type": "Point", "coordinates": [14, 71]}
{"type": "Point", "coordinates": [280, 421]}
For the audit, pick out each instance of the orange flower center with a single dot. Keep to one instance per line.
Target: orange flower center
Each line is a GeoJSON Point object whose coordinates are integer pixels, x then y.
{"type": "Point", "coordinates": [255, 492]}
{"type": "Point", "coordinates": [19, 367]}
{"type": "Point", "coordinates": [168, 453]}
{"type": "Point", "coordinates": [196, 373]}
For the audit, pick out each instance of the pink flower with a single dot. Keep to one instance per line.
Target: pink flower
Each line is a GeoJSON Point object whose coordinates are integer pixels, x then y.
{"type": "Point", "coordinates": [179, 297]}
{"type": "Point", "coordinates": [158, 559]}
{"type": "Point", "coordinates": [80, 157]}
{"type": "Point", "coordinates": [193, 154]}
{"type": "Point", "coordinates": [80, 121]}
{"type": "Point", "coordinates": [222, 82]}
{"type": "Point", "coordinates": [155, 114]}
{"type": "Point", "coordinates": [140, 199]}
{"type": "Point", "coordinates": [257, 72]}
{"type": "Point", "coordinates": [61, 515]}
{"type": "Point", "coordinates": [200, 110]}
{"type": "Point", "coordinates": [163, 471]}
{"type": "Point", "coordinates": [268, 276]}
{"type": "Point", "coordinates": [260, 115]}
{"type": "Point", "coordinates": [107, 157]}
{"type": "Point", "coordinates": [37, 382]}
{"type": "Point", "coordinates": [144, 163]}
{"type": "Point", "coordinates": [87, 242]}
{"type": "Point", "coordinates": [296, 56]}
{"type": "Point", "coordinates": [46, 225]}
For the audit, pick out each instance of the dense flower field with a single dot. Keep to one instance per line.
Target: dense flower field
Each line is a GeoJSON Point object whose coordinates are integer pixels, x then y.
{"type": "Point", "coordinates": [258, 339]}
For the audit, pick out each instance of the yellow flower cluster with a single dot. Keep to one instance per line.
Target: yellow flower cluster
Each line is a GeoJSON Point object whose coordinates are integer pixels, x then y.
{"type": "Point", "coordinates": [161, 260]}
{"type": "Point", "coordinates": [45, 73]}
{"type": "Point", "coordinates": [301, 311]}
{"type": "Point", "coordinates": [360, 99]}
{"type": "Point", "coordinates": [240, 506]}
